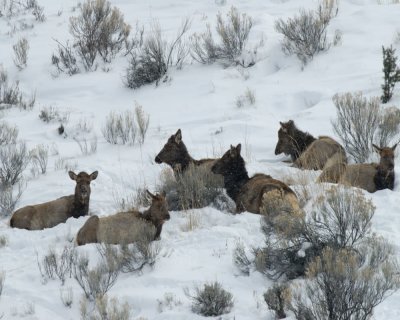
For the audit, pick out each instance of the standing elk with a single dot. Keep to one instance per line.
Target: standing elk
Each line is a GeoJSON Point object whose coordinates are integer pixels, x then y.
{"type": "Point", "coordinates": [306, 151]}
{"type": "Point", "coordinates": [369, 176]}
{"type": "Point", "coordinates": [52, 213]}
{"type": "Point", "coordinates": [252, 194]}
{"type": "Point", "coordinates": [123, 227]}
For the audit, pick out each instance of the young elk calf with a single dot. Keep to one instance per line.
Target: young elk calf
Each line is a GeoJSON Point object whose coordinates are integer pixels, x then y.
{"type": "Point", "coordinates": [253, 194]}
{"type": "Point", "coordinates": [121, 228]}
{"type": "Point", "coordinates": [371, 176]}
{"type": "Point", "coordinates": [50, 214]}
{"type": "Point", "coordinates": [175, 154]}
{"type": "Point", "coordinates": [306, 151]}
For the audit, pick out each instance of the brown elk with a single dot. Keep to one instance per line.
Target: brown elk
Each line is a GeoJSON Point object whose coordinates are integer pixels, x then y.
{"type": "Point", "coordinates": [50, 214]}
{"type": "Point", "coordinates": [369, 176]}
{"type": "Point", "coordinates": [251, 194]}
{"type": "Point", "coordinates": [175, 154]}
{"type": "Point", "coordinates": [306, 151]}
{"type": "Point", "coordinates": [122, 227]}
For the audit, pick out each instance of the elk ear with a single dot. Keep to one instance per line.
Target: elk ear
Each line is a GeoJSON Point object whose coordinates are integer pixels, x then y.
{"type": "Point", "coordinates": [394, 147]}
{"type": "Point", "coordinates": [238, 148]}
{"type": "Point", "coordinates": [377, 149]}
{"type": "Point", "coordinates": [150, 194]}
{"type": "Point", "coordinates": [232, 151]}
{"type": "Point", "coordinates": [72, 175]}
{"type": "Point", "coordinates": [163, 193]}
{"type": "Point", "coordinates": [283, 126]}
{"type": "Point", "coordinates": [178, 136]}
{"type": "Point", "coordinates": [93, 175]}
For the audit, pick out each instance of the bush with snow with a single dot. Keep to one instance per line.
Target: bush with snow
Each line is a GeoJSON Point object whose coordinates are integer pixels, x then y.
{"type": "Point", "coordinates": [233, 34]}
{"type": "Point", "coordinates": [211, 300]}
{"type": "Point", "coordinates": [99, 31]}
{"type": "Point", "coordinates": [305, 33]}
{"type": "Point", "coordinates": [150, 61]}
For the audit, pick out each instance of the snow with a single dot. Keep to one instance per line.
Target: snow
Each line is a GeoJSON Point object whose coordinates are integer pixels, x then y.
{"type": "Point", "coordinates": [199, 99]}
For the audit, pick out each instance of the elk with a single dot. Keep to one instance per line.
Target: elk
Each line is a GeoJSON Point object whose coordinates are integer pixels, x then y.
{"type": "Point", "coordinates": [122, 227]}
{"type": "Point", "coordinates": [306, 151]}
{"type": "Point", "coordinates": [252, 194]}
{"type": "Point", "coordinates": [50, 214]}
{"type": "Point", "coordinates": [369, 176]}
{"type": "Point", "coordinates": [175, 154]}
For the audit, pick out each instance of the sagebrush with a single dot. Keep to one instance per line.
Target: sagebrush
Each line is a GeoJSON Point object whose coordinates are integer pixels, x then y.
{"type": "Point", "coordinates": [151, 60]}
{"type": "Point", "coordinates": [233, 33]}
{"type": "Point", "coordinates": [197, 187]}
{"type": "Point", "coordinates": [341, 284]}
{"type": "Point", "coordinates": [211, 300]}
{"type": "Point", "coordinates": [99, 32]}
{"type": "Point", "coordinates": [305, 34]}
{"type": "Point", "coordinates": [340, 219]}
{"type": "Point", "coordinates": [104, 308]}
{"type": "Point", "coordinates": [356, 123]}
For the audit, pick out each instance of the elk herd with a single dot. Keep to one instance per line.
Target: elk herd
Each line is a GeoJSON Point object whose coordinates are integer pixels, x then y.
{"type": "Point", "coordinates": [253, 194]}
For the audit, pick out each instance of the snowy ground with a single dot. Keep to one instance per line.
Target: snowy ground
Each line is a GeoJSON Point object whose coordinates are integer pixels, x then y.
{"type": "Point", "coordinates": [200, 100]}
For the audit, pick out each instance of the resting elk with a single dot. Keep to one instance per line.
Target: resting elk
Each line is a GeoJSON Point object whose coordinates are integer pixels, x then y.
{"type": "Point", "coordinates": [306, 151]}
{"type": "Point", "coordinates": [252, 194]}
{"type": "Point", "coordinates": [50, 214]}
{"type": "Point", "coordinates": [122, 227]}
{"type": "Point", "coordinates": [175, 154]}
{"type": "Point", "coordinates": [369, 176]}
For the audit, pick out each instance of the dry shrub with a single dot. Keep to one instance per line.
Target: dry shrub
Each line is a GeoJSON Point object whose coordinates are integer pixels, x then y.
{"type": "Point", "coordinates": [65, 59]}
{"type": "Point", "coordinates": [54, 265]}
{"type": "Point", "coordinates": [150, 61]}
{"type": "Point", "coordinates": [241, 259]}
{"type": "Point", "coordinates": [168, 302]}
{"type": "Point", "coordinates": [40, 157]}
{"type": "Point", "coordinates": [11, 95]}
{"type": "Point", "coordinates": [303, 184]}
{"type": "Point", "coordinates": [98, 30]}
{"type": "Point", "coordinates": [8, 133]}
{"type": "Point", "coordinates": [3, 241]}
{"type": "Point", "coordinates": [341, 218]}
{"type": "Point", "coordinates": [9, 197]}
{"type": "Point", "coordinates": [305, 34]}
{"type": "Point", "coordinates": [247, 99]}
{"type": "Point", "coordinates": [67, 297]}
{"type": "Point", "coordinates": [197, 187]}
{"type": "Point", "coordinates": [87, 147]}
{"type": "Point", "coordinates": [142, 120]}
{"type": "Point", "coordinates": [389, 126]}
{"type": "Point", "coordinates": [192, 221]}
{"type": "Point", "coordinates": [2, 279]}
{"type": "Point", "coordinates": [120, 128]}
{"type": "Point", "coordinates": [104, 308]}
{"type": "Point", "coordinates": [276, 299]}
{"type": "Point", "coordinates": [211, 300]}
{"type": "Point", "coordinates": [14, 158]}
{"type": "Point", "coordinates": [97, 281]}
{"type": "Point", "coordinates": [341, 284]}
{"type": "Point", "coordinates": [233, 35]}
{"type": "Point", "coordinates": [21, 49]}
{"type": "Point", "coordinates": [357, 121]}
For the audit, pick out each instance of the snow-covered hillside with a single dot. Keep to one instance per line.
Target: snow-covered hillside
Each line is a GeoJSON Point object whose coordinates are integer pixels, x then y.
{"type": "Point", "coordinates": [201, 100]}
